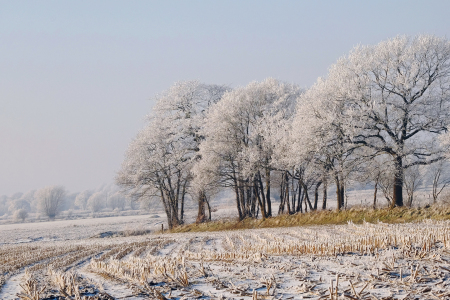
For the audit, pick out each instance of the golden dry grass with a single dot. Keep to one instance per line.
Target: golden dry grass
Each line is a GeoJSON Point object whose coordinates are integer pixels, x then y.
{"type": "Point", "coordinates": [355, 215]}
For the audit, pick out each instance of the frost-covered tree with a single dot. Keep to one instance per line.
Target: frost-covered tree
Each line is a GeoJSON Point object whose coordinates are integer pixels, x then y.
{"type": "Point", "coordinates": [82, 198]}
{"type": "Point", "coordinates": [50, 200]}
{"type": "Point", "coordinates": [377, 171]}
{"type": "Point", "coordinates": [117, 201]}
{"type": "Point", "coordinates": [300, 173]}
{"type": "Point", "coordinates": [20, 215]}
{"type": "Point", "coordinates": [239, 142]}
{"type": "Point", "coordinates": [318, 138]}
{"type": "Point", "coordinates": [394, 99]}
{"type": "Point", "coordinates": [3, 205]}
{"type": "Point", "coordinates": [18, 204]}
{"type": "Point", "coordinates": [158, 162]}
{"type": "Point", "coordinates": [17, 195]}
{"type": "Point", "coordinates": [413, 178]}
{"type": "Point", "coordinates": [402, 103]}
{"type": "Point", "coordinates": [438, 175]}
{"type": "Point", "coordinates": [96, 201]}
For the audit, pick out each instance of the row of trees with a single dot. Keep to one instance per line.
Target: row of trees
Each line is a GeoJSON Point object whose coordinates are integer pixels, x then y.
{"type": "Point", "coordinates": [52, 200]}
{"type": "Point", "coordinates": [380, 115]}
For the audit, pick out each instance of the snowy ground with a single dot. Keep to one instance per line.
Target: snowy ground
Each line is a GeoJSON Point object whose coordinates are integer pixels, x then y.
{"type": "Point", "coordinates": [369, 261]}
{"type": "Point", "coordinates": [75, 229]}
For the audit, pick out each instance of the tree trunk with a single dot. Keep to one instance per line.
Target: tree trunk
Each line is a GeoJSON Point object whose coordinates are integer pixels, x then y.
{"type": "Point", "coordinates": [325, 186]}
{"type": "Point", "coordinates": [286, 194]}
{"type": "Point", "coordinates": [281, 207]}
{"type": "Point", "coordinates": [182, 202]}
{"type": "Point", "coordinates": [261, 206]}
{"type": "Point", "coordinates": [253, 207]}
{"type": "Point", "coordinates": [410, 200]}
{"type": "Point", "coordinates": [436, 177]}
{"type": "Point", "coordinates": [375, 195]}
{"type": "Point", "coordinates": [261, 193]}
{"type": "Point", "coordinates": [177, 197]}
{"type": "Point", "coordinates": [397, 195]}
{"type": "Point", "coordinates": [238, 204]}
{"type": "Point", "coordinates": [293, 192]}
{"type": "Point", "coordinates": [209, 208]}
{"type": "Point", "coordinates": [299, 200]}
{"type": "Point", "coordinates": [174, 220]}
{"type": "Point", "coordinates": [339, 193]}
{"type": "Point", "coordinates": [201, 216]}
{"type": "Point", "coordinates": [269, 203]}
{"type": "Point", "coordinates": [248, 204]}
{"type": "Point", "coordinates": [242, 198]}
{"type": "Point", "coordinates": [166, 207]}
{"type": "Point", "coordinates": [316, 194]}
{"type": "Point", "coordinates": [307, 202]}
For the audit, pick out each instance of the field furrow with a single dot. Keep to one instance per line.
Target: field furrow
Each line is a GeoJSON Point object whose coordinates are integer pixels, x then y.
{"type": "Point", "coordinates": [367, 261]}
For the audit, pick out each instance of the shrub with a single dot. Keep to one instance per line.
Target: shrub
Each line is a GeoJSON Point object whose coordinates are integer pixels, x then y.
{"type": "Point", "coordinates": [20, 215]}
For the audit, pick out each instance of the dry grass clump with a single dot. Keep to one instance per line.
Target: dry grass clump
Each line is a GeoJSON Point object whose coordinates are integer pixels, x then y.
{"type": "Point", "coordinates": [142, 271]}
{"type": "Point", "coordinates": [30, 290]}
{"type": "Point", "coordinates": [135, 231]}
{"type": "Point", "coordinates": [67, 284]}
{"type": "Point", "coordinates": [327, 217]}
{"type": "Point", "coordinates": [367, 239]}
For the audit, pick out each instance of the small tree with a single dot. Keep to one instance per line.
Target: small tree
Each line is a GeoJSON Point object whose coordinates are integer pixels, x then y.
{"type": "Point", "coordinates": [117, 200]}
{"type": "Point", "coordinates": [17, 204]}
{"type": "Point", "coordinates": [82, 198]}
{"type": "Point", "coordinates": [20, 214]}
{"type": "Point", "coordinates": [413, 179]}
{"type": "Point", "coordinates": [377, 171]}
{"type": "Point", "coordinates": [96, 202]}
{"type": "Point", "coordinates": [440, 176]}
{"type": "Point", "coordinates": [50, 200]}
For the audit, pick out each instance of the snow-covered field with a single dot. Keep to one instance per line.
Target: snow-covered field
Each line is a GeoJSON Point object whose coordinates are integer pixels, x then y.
{"type": "Point", "coordinates": [104, 259]}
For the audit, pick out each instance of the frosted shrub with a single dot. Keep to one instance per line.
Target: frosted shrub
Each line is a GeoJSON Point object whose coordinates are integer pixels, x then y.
{"type": "Point", "coordinates": [20, 215]}
{"type": "Point", "coordinates": [96, 202]}
{"type": "Point", "coordinates": [50, 200]}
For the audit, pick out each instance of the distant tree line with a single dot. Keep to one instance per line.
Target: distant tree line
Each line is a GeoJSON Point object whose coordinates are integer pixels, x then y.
{"type": "Point", "coordinates": [379, 117]}
{"type": "Point", "coordinates": [50, 201]}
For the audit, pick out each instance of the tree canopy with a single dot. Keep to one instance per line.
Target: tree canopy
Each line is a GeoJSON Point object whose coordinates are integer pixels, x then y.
{"type": "Point", "coordinates": [381, 111]}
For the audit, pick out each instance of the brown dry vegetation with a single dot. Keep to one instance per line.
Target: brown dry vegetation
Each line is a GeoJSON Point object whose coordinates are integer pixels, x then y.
{"type": "Point", "coordinates": [364, 259]}
{"type": "Point", "coordinates": [327, 217]}
{"type": "Point", "coordinates": [367, 261]}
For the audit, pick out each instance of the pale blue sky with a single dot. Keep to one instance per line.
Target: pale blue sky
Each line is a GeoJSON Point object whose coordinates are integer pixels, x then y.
{"type": "Point", "coordinates": [77, 77]}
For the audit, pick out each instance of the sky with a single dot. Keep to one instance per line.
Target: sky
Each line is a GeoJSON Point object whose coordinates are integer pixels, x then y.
{"type": "Point", "coordinates": [77, 78]}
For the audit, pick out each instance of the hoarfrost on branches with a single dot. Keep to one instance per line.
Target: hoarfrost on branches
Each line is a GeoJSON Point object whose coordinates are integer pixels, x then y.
{"type": "Point", "coordinates": [159, 160]}
{"type": "Point", "coordinates": [381, 112]}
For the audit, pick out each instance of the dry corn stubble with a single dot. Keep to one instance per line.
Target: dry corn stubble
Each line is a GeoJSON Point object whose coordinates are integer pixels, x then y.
{"type": "Point", "coordinates": [350, 261]}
